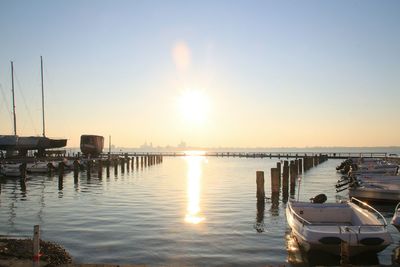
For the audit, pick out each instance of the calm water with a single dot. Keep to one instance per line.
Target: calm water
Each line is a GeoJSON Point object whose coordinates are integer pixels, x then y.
{"type": "Point", "coordinates": [186, 211]}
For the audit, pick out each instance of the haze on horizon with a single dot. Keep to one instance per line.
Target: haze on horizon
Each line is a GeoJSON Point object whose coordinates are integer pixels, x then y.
{"type": "Point", "coordinates": [211, 73]}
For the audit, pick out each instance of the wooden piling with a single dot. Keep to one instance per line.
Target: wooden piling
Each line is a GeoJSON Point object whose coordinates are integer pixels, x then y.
{"type": "Point", "coordinates": [292, 177]}
{"type": "Point", "coordinates": [260, 186]}
{"type": "Point", "coordinates": [278, 166]}
{"type": "Point", "coordinates": [259, 226]}
{"type": "Point", "coordinates": [285, 179]}
{"type": "Point", "coordinates": [89, 167]}
{"type": "Point", "coordinates": [36, 244]}
{"type": "Point", "coordinates": [122, 160]}
{"type": "Point", "coordinates": [100, 169]}
{"type": "Point", "coordinates": [61, 169]}
{"type": "Point", "coordinates": [300, 166]}
{"type": "Point", "coordinates": [275, 180]}
{"type": "Point", "coordinates": [22, 170]}
{"type": "Point", "coordinates": [116, 167]}
{"type": "Point", "coordinates": [128, 164]}
{"type": "Point", "coordinates": [344, 253]}
{"type": "Point", "coordinates": [76, 167]}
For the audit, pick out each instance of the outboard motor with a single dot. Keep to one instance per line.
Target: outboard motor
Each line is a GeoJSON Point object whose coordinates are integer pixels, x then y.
{"type": "Point", "coordinates": [321, 198]}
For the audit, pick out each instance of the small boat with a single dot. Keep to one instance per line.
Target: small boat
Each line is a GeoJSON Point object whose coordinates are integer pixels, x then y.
{"type": "Point", "coordinates": [11, 169]}
{"type": "Point", "coordinates": [367, 166]}
{"type": "Point", "coordinates": [376, 191]}
{"type": "Point", "coordinates": [396, 217]}
{"type": "Point", "coordinates": [40, 167]}
{"type": "Point", "coordinates": [324, 226]}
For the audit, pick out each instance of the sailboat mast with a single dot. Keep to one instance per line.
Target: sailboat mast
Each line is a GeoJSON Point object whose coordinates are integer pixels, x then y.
{"type": "Point", "coordinates": [41, 72]}
{"type": "Point", "coordinates": [13, 97]}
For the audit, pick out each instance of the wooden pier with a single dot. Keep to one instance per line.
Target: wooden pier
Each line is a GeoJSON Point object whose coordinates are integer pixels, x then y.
{"type": "Point", "coordinates": [279, 155]}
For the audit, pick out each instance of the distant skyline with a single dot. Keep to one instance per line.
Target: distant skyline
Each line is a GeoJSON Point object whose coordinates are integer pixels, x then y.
{"type": "Point", "coordinates": [211, 73]}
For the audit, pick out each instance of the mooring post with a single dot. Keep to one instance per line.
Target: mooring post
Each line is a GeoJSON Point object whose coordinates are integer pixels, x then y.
{"type": "Point", "coordinates": [116, 167]}
{"type": "Point", "coordinates": [307, 163]}
{"type": "Point", "coordinates": [285, 180]}
{"type": "Point", "coordinates": [22, 170]}
{"type": "Point", "coordinates": [275, 181]}
{"type": "Point", "coordinates": [296, 167]}
{"type": "Point", "coordinates": [36, 243]}
{"type": "Point", "coordinates": [260, 186]}
{"type": "Point", "coordinates": [108, 167]}
{"type": "Point", "coordinates": [292, 177]}
{"type": "Point", "coordinates": [300, 166]}
{"type": "Point", "coordinates": [100, 169]}
{"type": "Point", "coordinates": [76, 167]}
{"type": "Point", "coordinates": [89, 165]}
{"type": "Point", "coordinates": [278, 166]}
{"type": "Point", "coordinates": [60, 169]}
{"type": "Point", "coordinates": [122, 160]}
{"type": "Point", "coordinates": [344, 253]}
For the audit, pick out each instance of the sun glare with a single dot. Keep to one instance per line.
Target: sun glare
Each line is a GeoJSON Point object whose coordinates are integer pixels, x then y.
{"type": "Point", "coordinates": [194, 106]}
{"type": "Point", "coordinates": [194, 174]}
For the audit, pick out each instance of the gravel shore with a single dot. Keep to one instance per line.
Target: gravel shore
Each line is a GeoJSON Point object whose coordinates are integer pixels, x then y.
{"type": "Point", "coordinates": [22, 249]}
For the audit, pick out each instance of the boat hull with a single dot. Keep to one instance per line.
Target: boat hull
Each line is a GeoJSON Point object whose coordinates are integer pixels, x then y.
{"type": "Point", "coordinates": [329, 236]}
{"type": "Point", "coordinates": [375, 194]}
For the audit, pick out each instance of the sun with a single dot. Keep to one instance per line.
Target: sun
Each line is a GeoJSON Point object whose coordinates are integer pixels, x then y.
{"type": "Point", "coordinates": [194, 106]}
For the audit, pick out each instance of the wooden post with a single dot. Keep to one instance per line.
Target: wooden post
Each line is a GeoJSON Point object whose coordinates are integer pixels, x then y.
{"type": "Point", "coordinates": [275, 180]}
{"type": "Point", "coordinates": [100, 169]}
{"type": "Point", "coordinates": [300, 166]}
{"type": "Point", "coordinates": [89, 165]}
{"type": "Point", "coordinates": [132, 159]}
{"type": "Point", "coordinates": [296, 167]}
{"type": "Point", "coordinates": [260, 186]}
{"type": "Point", "coordinates": [285, 180]}
{"type": "Point", "coordinates": [36, 243]}
{"type": "Point", "coordinates": [76, 167]}
{"type": "Point", "coordinates": [60, 169]}
{"type": "Point", "coordinates": [344, 253]}
{"type": "Point", "coordinates": [22, 170]}
{"type": "Point", "coordinates": [122, 165]}
{"type": "Point", "coordinates": [305, 163]}
{"type": "Point", "coordinates": [116, 167]}
{"type": "Point", "coordinates": [292, 177]}
{"type": "Point", "coordinates": [137, 162]}
{"type": "Point", "coordinates": [278, 166]}
{"type": "Point", "coordinates": [108, 168]}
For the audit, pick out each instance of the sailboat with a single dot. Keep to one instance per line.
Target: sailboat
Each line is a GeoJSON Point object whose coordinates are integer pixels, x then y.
{"type": "Point", "coordinates": [22, 144]}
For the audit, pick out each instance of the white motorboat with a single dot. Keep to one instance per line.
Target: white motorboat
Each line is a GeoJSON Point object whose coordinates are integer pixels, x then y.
{"type": "Point", "coordinates": [39, 167]}
{"type": "Point", "coordinates": [324, 226]}
{"type": "Point", "coordinates": [396, 217]}
{"type": "Point", "coordinates": [367, 166]}
{"type": "Point", "coordinates": [376, 191]}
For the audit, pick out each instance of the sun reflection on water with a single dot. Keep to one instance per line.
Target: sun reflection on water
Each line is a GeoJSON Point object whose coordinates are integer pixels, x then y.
{"type": "Point", "coordinates": [194, 174]}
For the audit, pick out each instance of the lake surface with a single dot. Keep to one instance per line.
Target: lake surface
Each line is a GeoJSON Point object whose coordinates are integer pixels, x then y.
{"type": "Point", "coordinates": [191, 210]}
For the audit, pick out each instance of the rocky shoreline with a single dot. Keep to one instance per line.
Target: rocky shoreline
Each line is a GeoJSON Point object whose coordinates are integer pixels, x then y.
{"type": "Point", "coordinates": [16, 250]}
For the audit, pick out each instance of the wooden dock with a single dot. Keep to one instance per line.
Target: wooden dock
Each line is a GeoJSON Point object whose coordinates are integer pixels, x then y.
{"type": "Point", "coordinates": [283, 155]}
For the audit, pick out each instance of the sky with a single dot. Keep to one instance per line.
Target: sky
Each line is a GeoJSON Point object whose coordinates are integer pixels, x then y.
{"type": "Point", "coordinates": [209, 73]}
